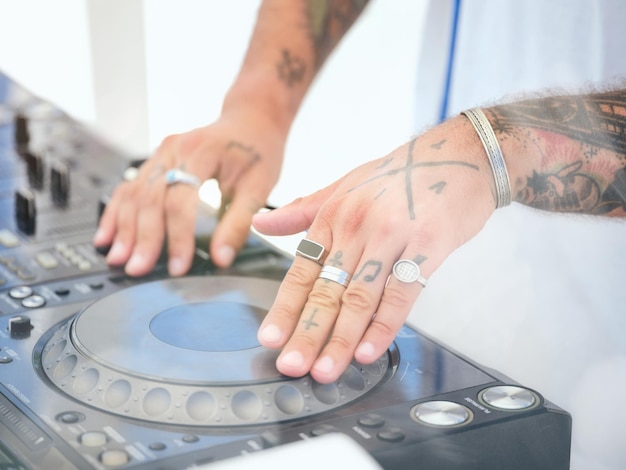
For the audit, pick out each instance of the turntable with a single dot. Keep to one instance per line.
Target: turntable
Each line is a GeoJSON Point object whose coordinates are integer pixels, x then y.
{"type": "Point", "coordinates": [100, 371]}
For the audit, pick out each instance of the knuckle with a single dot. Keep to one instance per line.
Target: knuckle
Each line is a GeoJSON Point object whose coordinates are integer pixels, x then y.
{"type": "Point", "coordinates": [396, 297]}
{"type": "Point", "coordinates": [340, 343]}
{"type": "Point", "coordinates": [381, 330]}
{"type": "Point", "coordinates": [357, 298]}
{"type": "Point", "coordinates": [324, 296]}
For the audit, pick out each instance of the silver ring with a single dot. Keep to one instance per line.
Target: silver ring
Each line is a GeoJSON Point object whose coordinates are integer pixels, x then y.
{"type": "Point", "coordinates": [331, 273]}
{"type": "Point", "coordinates": [310, 249]}
{"type": "Point", "coordinates": [407, 271]}
{"type": "Point", "coordinates": [176, 175]}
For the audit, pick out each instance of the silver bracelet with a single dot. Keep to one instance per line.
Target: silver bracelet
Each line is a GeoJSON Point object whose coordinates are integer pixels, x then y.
{"type": "Point", "coordinates": [498, 166]}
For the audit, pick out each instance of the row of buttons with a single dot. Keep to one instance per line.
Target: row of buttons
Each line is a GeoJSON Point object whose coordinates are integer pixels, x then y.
{"type": "Point", "coordinates": [26, 296]}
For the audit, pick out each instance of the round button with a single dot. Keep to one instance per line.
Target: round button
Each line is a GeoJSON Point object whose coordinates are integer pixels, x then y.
{"type": "Point", "coordinates": [34, 301]}
{"type": "Point", "coordinates": [93, 439]}
{"type": "Point", "coordinates": [114, 458]}
{"type": "Point", "coordinates": [509, 397]}
{"type": "Point", "coordinates": [441, 413]}
{"type": "Point", "coordinates": [20, 292]}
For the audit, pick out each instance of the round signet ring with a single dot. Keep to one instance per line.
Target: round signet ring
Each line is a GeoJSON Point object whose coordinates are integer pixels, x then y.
{"type": "Point", "coordinates": [332, 273]}
{"type": "Point", "coordinates": [310, 250]}
{"type": "Point", "coordinates": [176, 175]}
{"type": "Point", "coordinates": [408, 271]}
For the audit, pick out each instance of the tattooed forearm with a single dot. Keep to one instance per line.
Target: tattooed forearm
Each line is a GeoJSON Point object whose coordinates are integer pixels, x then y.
{"type": "Point", "coordinates": [582, 143]}
{"type": "Point", "coordinates": [328, 21]}
{"type": "Point", "coordinates": [597, 120]}
{"type": "Point", "coordinates": [290, 69]}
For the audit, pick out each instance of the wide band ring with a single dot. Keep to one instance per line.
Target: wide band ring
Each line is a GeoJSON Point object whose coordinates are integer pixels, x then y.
{"type": "Point", "coordinates": [310, 250]}
{"type": "Point", "coordinates": [332, 273]}
{"type": "Point", "coordinates": [176, 175]}
{"type": "Point", "coordinates": [408, 271]}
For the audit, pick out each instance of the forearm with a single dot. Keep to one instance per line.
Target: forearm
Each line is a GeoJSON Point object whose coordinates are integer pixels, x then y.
{"type": "Point", "coordinates": [289, 45]}
{"type": "Point", "coordinates": [566, 153]}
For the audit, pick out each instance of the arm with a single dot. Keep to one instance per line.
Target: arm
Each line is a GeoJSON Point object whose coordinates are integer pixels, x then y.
{"type": "Point", "coordinates": [421, 202]}
{"type": "Point", "coordinates": [243, 149]}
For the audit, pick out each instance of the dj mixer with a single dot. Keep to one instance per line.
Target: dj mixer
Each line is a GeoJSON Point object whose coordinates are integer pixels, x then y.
{"type": "Point", "coordinates": [100, 370]}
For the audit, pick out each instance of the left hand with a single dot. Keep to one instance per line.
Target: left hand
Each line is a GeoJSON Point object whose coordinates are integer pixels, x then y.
{"type": "Point", "coordinates": [419, 203]}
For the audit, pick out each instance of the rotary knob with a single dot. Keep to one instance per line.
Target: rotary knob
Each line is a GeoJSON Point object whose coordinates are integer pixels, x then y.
{"type": "Point", "coordinates": [20, 326]}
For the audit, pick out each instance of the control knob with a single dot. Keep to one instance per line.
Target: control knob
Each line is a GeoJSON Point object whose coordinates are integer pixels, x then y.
{"type": "Point", "coordinates": [60, 183]}
{"type": "Point", "coordinates": [21, 134]}
{"type": "Point", "coordinates": [25, 211]}
{"type": "Point", "coordinates": [20, 326]}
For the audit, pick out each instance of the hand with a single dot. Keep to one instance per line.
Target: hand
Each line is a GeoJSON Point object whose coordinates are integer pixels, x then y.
{"type": "Point", "coordinates": [243, 152]}
{"type": "Point", "coordinates": [419, 203]}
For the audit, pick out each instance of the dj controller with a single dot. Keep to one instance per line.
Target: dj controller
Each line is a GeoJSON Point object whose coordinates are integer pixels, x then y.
{"type": "Point", "coordinates": [99, 370]}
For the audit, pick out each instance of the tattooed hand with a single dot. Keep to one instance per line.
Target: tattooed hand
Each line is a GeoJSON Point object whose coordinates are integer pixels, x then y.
{"type": "Point", "coordinates": [420, 202]}
{"type": "Point", "coordinates": [242, 152]}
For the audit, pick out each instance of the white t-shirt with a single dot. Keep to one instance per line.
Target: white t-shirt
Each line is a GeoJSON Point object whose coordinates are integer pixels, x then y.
{"type": "Point", "coordinates": [537, 295]}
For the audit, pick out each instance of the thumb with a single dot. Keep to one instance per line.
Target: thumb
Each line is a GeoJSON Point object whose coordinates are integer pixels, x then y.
{"type": "Point", "coordinates": [297, 216]}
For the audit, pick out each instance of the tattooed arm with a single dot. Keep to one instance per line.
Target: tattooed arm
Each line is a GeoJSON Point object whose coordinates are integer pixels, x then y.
{"type": "Point", "coordinates": [578, 150]}
{"type": "Point", "coordinates": [243, 149]}
{"type": "Point", "coordinates": [420, 203]}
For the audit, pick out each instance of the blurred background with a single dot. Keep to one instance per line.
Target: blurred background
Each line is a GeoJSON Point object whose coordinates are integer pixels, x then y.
{"type": "Point", "coordinates": [138, 70]}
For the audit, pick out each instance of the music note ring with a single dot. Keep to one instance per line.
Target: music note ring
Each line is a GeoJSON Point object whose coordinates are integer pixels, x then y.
{"type": "Point", "coordinates": [176, 175]}
{"type": "Point", "coordinates": [408, 271]}
{"type": "Point", "coordinates": [332, 273]}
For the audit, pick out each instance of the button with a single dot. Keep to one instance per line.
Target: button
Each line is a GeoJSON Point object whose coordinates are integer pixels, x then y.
{"type": "Point", "coordinates": [70, 417]}
{"type": "Point", "coordinates": [93, 439]}
{"type": "Point", "coordinates": [20, 292]}
{"type": "Point", "coordinates": [391, 435]}
{"type": "Point", "coordinates": [371, 420]}
{"type": "Point", "coordinates": [441, 413]}
{"type": "Point", "coordinates": [8, 239]}
{"type": "Point", "coordinates": [322, 429]}
{"type": "Point", "coordinates": [509, 397]}
{"type": "Point", "coordinates": [5, 359]}
{"type": "Point", "coordinates": [46, 260]}
{"type": "Point", "coordinates": [62, 291]}
{"type": "Point", "coordinates": [190, 439]}
{"type": "Point", "coordinates": [114, 458]}
{"type": "Point", "coordinates": [157, 446]}
{"type": "Point", "coordinates": [34, 301]}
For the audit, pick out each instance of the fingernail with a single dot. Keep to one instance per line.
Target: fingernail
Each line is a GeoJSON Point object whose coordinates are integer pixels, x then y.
{"type": "Point", "coordinates": [176, 267]}
{"type": "Point", "coordinates": [292, 359]}
{"type": "Point", "coordinates": [135, 263]}
{"type": "Point", "coordinates": [116, 251]}
{"type": "Point", "coordinates": [270, 334]}
{"type": "Point", "coordinates": [225, 255]}
{"type": "Point", "coordinates": [97, 237]}
{"type": "Point", "coordinates": [365, 351]}
{"type": "Point", "coordinates": [325, 365]}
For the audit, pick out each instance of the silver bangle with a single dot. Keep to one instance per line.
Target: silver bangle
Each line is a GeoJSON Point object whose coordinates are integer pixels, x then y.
{"type": "Point", "coordinates": [498, 166]}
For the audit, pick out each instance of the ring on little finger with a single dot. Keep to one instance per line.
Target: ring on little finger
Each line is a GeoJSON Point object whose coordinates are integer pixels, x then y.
{"type": "Point", "coordinates": [176, 175]}
{"type": "Point", "coordinates": [408, 271]}
{"type": "Point", "coordinates": [332, 273]}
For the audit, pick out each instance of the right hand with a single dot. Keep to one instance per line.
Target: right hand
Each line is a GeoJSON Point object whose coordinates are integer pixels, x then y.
{"type": "Point", "coordinates": [243, 151]}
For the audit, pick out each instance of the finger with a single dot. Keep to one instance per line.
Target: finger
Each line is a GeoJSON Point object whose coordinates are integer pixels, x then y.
{"type": "Point", "coordinates": [124, 240]}
{"type": "Point", "coordinates": [294, 217]}
{"type": "Point", "coordinates": [107, 225]}
{"type": "Point", "coordinates": [358, 305]}
{"type": "Point", "coordinates": [181, 203]}
{"type": "Point", "coordinates": [319, 315]}
{"type": "Point", "coordinates": [280, 321]}
{"type": "Point", "coordinates": [233, 230]}
{"type": "Point", "coordinates": [395, 305]}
